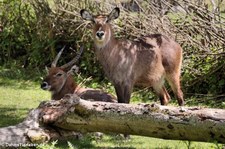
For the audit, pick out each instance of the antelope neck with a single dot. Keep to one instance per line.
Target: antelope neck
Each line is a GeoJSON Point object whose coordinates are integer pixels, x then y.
{"type": "Point", "coordinates": [111, 43]}
{"type": "Point", "coordinates": [67, 88]}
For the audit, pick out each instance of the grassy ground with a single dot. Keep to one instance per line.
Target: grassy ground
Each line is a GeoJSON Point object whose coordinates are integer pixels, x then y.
{"type": "Point", "coordinates": [19, 93]}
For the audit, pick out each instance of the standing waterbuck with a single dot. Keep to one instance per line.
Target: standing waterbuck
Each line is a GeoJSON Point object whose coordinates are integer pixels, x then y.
{"type": "Point", "coordinates": [146, 61]}
{"type": "Point", "coordinates": [60, 82]}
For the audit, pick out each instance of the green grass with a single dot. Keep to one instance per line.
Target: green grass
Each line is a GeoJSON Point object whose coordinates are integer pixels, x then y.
{"type": "Point", "coordinates": [112, 141]}
{"type": "Point", "coordinates": [16, 100]}
{"type": "Point", "coordinates": [20, 91]}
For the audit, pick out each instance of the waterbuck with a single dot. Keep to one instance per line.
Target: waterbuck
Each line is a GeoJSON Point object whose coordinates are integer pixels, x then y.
{"type": "Point", "coordinates": [146, 61]}
{"type": "Point", "coordinates": [60, 82]}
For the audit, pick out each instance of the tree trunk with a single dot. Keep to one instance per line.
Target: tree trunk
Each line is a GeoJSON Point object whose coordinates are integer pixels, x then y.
{"type": "Point", "coordinates": [153, 120]}
{"type": "Point", "coordinates": [31, 131]}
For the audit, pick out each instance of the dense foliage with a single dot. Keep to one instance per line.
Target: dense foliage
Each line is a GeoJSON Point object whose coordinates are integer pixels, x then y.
{"type": "Point", "coordinates": [32, 32]}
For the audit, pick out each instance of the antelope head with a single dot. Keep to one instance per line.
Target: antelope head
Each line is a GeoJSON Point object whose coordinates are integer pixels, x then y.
{"type": "Point", "coordinates": [102, 30]}
{"type": "Point", "coordinates": [57, 77]}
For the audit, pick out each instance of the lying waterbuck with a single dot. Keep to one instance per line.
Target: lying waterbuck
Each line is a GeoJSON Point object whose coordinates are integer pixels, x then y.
{"type": "Point", "coordinates": [143, 62]}
{"type": "Point", "coordinates": [60, 82]}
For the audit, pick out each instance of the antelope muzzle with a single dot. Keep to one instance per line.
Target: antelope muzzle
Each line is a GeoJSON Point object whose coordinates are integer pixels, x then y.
{"type": "Point", "coordinates": [100, 34]}
{"type": "Point", "coordinates": [45, 85]}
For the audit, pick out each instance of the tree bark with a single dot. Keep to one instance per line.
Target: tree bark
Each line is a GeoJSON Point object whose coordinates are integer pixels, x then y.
{"type": "Point", "coordinates": [30, 132]}
{"type": "Point", "coordinates": [72, 114]}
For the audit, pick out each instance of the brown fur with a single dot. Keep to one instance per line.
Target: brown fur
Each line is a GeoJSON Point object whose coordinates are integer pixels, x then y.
{"type": "Point", "coordinates": [144, 62]}
{"type": "Point", "coordinates": [61, 83]}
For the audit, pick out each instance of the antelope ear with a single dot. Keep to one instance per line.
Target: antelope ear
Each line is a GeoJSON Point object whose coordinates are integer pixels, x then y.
{"type": "Point", "coordinates": [114, 14]}
{"type": "Point", "coordinates": [73, 69]}
{"type": "Point", "coordinates": [86, 15]}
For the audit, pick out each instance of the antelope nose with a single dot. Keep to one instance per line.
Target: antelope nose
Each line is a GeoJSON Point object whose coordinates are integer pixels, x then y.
{"type": "Point", "coordinates": [44, 85]}
{"type": "Point", "coordinates": [99, 34]}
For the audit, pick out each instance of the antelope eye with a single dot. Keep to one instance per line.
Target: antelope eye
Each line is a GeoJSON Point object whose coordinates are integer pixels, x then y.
{"type": "Point", "coordinates": [59, 74]}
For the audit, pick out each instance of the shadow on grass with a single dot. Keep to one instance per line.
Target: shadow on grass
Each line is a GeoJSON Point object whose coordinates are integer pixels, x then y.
{"type": "Point", "coordinates": [89, 141]}
{"type": "Point", "coordinates": [77, 143]}
{"type": "Point", "coordinates": [11, 115]}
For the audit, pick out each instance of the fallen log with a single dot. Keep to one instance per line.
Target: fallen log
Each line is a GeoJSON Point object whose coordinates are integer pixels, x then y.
{"type": "Point", "coordinates": [30, 132]}
{"type": "Point", "coordinates": [73, 114]}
